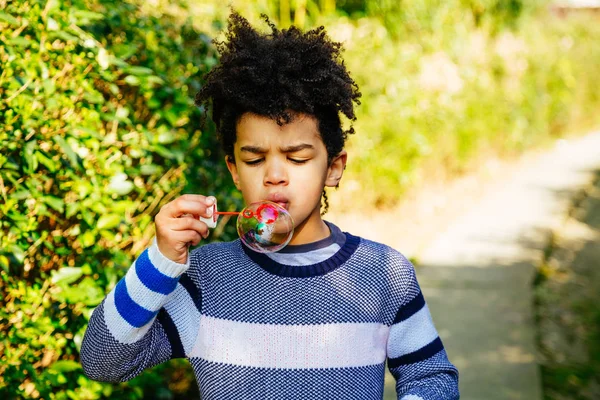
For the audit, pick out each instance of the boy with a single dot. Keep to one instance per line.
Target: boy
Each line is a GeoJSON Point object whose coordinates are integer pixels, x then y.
{"type": "Point", "coordinates": [317, 320]}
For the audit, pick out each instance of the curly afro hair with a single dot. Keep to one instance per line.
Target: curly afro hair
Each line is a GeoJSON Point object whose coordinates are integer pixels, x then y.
{"type": "Point", "coordinates": [278, 75]}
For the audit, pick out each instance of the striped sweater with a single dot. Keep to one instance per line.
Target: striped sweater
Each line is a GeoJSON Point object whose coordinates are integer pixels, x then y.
{"type": "Point", "coordinates": [254, 327]}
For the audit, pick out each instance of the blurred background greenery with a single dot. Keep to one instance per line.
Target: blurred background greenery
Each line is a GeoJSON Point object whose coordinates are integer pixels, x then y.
{"type": "Point", "coordinates": [98, 130]}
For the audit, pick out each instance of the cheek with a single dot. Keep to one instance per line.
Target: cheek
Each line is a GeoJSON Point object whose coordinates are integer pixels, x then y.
{"type": "Point", "coordinates": [311, 182]}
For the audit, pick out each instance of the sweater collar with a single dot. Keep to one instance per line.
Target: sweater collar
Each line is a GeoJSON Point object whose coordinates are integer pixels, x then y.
{"type": "Point", "coordinates": [306, 271]}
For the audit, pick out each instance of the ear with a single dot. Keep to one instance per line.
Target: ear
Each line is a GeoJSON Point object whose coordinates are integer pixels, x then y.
{"type": "Point", "coordinates": [232, 167]}
{"type": "Point", "coordinates": [336, 169]}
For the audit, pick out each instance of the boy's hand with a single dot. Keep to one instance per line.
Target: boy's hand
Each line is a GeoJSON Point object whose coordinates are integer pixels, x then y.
{"type": "Point", "coordinates": [178, 226]}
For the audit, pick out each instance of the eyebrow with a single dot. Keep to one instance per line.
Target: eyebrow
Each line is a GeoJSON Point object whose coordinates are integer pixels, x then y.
{"type": "Point", "coordinates": [287, 149]}
{"type": "Point", "coordinates": [253, 149]}
{"type": "Point", "coordinates": [296, 147]}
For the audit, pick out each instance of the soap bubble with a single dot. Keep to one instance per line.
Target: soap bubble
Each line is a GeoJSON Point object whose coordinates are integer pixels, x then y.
{"type": "Point", "coordinates": [265, 226]}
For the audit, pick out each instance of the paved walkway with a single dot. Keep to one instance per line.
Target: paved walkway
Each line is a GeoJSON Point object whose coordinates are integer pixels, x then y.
{"type": "Point", "coordinates": [477, 274]}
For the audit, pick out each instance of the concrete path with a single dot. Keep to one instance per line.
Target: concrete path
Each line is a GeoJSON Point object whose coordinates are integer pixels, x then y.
{"type": "Point", "coordinates": [477, 274]}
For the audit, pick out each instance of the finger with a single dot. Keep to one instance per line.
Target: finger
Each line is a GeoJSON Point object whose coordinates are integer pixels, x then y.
{"type": "Point", "coordinates": [208, 200]}
{"type": "Point", "coordinates": [181, 240]}
{"type": "Point", "coordinates": [189, 224]}
{"type": "Point", "coordinates": [190, 237]}
{"type": "Point", "coordinates": [193, 206]}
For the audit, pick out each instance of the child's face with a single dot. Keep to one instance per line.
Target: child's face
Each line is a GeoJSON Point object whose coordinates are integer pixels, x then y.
{"type": "Point", "coordinates": [285, 164]}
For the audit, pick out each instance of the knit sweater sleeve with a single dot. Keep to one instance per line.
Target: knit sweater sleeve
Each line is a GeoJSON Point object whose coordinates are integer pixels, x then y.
{"type": "Point", "coordinates": [133, 328]}
{"type": "Point", "coordinates": [416, 356]}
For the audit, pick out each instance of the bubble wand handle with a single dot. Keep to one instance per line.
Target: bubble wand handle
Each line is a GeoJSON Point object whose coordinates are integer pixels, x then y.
{"type": "Point", "coordinates": [227, 212]}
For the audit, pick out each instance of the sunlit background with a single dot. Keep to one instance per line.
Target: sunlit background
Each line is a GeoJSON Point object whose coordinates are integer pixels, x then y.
{"type": "Point", "coordinates": [98, 130]}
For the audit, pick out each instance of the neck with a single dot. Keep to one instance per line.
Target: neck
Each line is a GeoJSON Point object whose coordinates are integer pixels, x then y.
{"type": "Point", "coordinates": [311, 230]}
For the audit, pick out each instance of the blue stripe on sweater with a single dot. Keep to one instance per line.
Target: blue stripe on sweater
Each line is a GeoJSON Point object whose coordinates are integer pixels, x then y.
{"type": "Point", "coordinates": [420, 355]}
{"type": "Point", "coordinates": [131, 312]}
{"type": "Point", "coordinates": [151, 277]}
{"type": "Point", "coordinates": [172, 334]}
{"type": "Point", "coordinates": [193, 291]}
{"type": "Point", "coordinates": [410, 308]}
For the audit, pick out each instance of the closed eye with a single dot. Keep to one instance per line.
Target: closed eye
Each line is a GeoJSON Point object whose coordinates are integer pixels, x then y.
{"type": "Point", "coordinates": [298, 161]}
{"type": "Point", "coordinates": [253, 162]}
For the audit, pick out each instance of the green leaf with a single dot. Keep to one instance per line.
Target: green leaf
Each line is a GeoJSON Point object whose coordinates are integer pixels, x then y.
{"type": "Point", "coordinates": [66, 275]}
{"type": "Point", "coordinates": [164, 152]}
{"type": "Point", "coordinates": [93, 96]}
{"type": "Point", "coordinates": [84, 16]}
{"type": "Point", "coordinates": [77, 130]}
{"type": "Point", "coordinates": [166, 137]}
{"type": "Point", "coordinates": [63, 35]}
{"type": "Point", "coordinates": [155, 79]}
{"type": "Point", "coordinates": [150, 169]}
{"type": "Point", "coordinates": [18, 253]}
{"type": "Point", "coordinates": [21, 42]}
{"type": "Point", "coordinates": [73, 159]}
{"type": "Point", "coordinates": [65, 366]}
{"type": "Point", "coordinates": [123, 51]}
{"type": "Point", "coordinates": [154, 103]}
{"type": "Point", "coordinates": [109, 221]}
{"type": "Point", "coordinates": [4, 263]}
{"type": "Point", "coordinates": [132, 80]}
{"type": "Point", "coordinates": [21, 194]}
{"type": "Point", "coordinates": [49, 86]}
{"type": "Point", "coordinates": [48, 163]}
{"type": "Point", "coordinates": [72, 209]}
{"type": "Point", "coordinates": [55, 203]}
{"type": "Point", "coordinates": [136, 70]}
{"type": "Point", "coordinates": [8, 18]}
{"type": "Point", "coordinates": [88, 239]}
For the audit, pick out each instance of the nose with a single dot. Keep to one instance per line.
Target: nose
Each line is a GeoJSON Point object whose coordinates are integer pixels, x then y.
{"type": "Point", "coordinates": [275, 174]}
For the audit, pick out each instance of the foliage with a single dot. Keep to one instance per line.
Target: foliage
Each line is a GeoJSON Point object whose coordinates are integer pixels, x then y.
{"type": "Point", "coordinates": [441, 103]}
{"type": "Point", "coordinates": [98, 131]}
{"type": "Point", "coordinates": [567, 291]}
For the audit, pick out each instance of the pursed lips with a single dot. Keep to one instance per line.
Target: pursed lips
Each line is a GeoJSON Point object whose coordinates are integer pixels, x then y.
{"type": "Point", "coordinates": [279, 199]}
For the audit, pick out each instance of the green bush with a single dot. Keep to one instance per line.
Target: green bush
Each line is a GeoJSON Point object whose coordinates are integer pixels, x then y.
{"type": "Point", "coordinates": [97, 131]}
{"type": "Point", "coordinates": [440, 102]}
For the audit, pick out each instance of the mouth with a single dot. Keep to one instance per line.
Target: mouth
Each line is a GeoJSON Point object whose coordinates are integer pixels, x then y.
{"type": "Point", "coordinates": [279, 199]}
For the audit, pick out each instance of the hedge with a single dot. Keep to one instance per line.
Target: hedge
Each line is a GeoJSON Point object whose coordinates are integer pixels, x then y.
{"type": "Point", "coordinates": [98, 131]}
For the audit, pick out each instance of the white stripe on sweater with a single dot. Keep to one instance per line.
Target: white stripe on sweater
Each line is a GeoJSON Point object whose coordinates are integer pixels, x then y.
{"type": "Point", "coordinates": [139, 293]}
{"type": "Point", "coordinates": [411, 334]}
{"type": "Point", "coordinates": [121, 330]}
{"type": "Point", "coordinates": [165, 265]}
{"type": "Point", "coordinates": [291, 346]}
{"type": "Point", "coordinates": [185, 315]}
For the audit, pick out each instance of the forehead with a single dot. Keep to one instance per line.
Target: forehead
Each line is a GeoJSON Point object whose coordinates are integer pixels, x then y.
{"type": "Point", "coordinates": [263, 131]}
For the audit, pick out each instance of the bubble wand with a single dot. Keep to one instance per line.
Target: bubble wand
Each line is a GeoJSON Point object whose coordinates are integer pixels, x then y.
{"type": "Point", "coordinates": [263, 226]}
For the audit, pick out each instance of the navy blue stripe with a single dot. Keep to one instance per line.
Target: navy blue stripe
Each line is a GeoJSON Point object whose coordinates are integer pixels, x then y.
{"type": "Point", "coordinates": [306, 271]}
{"type": "Point", "coordinates": [172, 334]}
{"type": "Point", "coordinates": [420, 355]}
{"type": "Point", "coordinates": [131, 311]}
{"type": "Point", "coordinates": [410, 308]}
{"type": "Point", "coordinates": [336, 237]}
{"type": "Point", "coordinates": [151, 277]}
{"type": "Point", "coordinates": [193, 291]}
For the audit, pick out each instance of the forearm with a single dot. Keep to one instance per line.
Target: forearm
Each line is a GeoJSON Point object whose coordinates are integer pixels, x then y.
{"type": "Point", "coordinates": [432, 379]}
{"type": "Point", "coordinates": [416, 355]}
{"type": "Point", "coordinates": [124, 335]}
{"type": "Point", "coordinates": [104, 358]}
